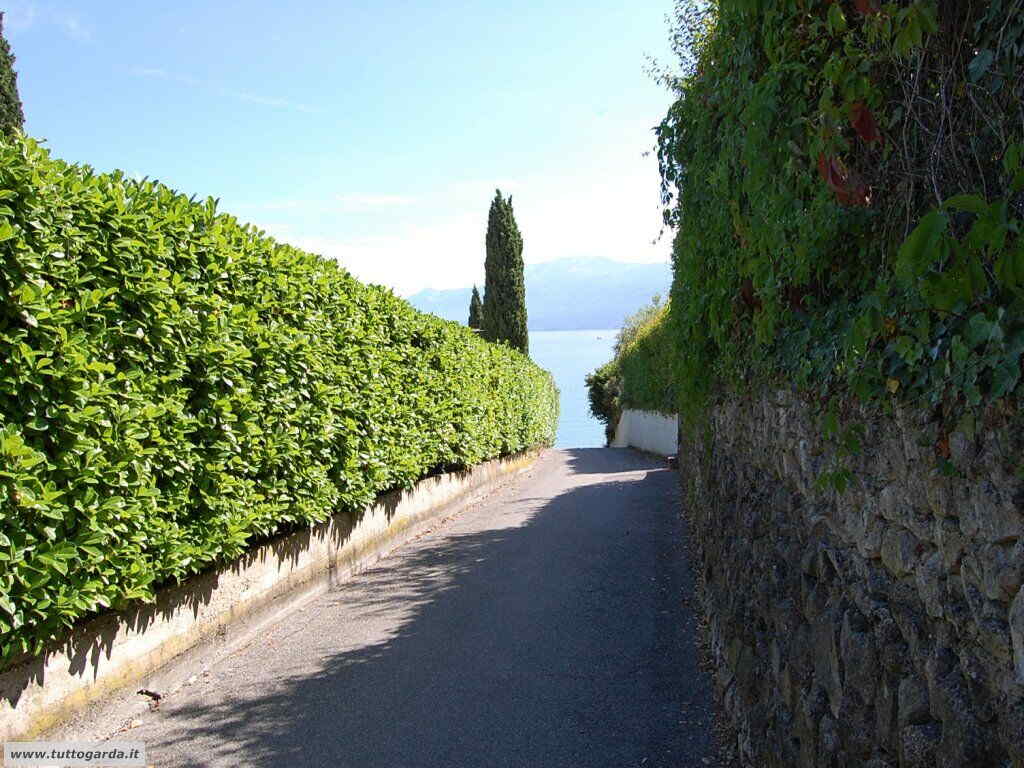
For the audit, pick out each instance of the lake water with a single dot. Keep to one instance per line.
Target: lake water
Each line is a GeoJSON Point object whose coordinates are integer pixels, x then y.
{"type": "Point", "coordinates": [570, 356]}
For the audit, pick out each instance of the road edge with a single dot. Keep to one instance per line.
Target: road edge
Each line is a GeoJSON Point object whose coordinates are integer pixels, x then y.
{"type": "Point", "coordinates": [81, 684]}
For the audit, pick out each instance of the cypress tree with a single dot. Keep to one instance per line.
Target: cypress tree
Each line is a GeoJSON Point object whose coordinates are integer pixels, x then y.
{"type": "Point", "coordinates": [11, 116]}
{"type": "Point", "coordinates": [504, 308]}
{"type": "Point", "coordinates": [476, 310]}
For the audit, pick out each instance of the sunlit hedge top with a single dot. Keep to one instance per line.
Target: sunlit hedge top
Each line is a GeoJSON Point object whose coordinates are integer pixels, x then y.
{"type": "Point", "coordinates": [174, 384]}
{"type": "Point", "coordinates": [645, 366]}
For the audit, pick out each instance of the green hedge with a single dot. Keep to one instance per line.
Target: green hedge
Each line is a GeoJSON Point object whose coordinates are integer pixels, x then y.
{"type": "Point", "coordinates": [604, 391]}
{"type": "Point", "coordinates": [647, 367]}
{"type": "Point", "coordinates": [847, 185]}
{"type": "Point", "coordinates": [642, 374]}
{"type": "Point", "coordinates": [176, 385]}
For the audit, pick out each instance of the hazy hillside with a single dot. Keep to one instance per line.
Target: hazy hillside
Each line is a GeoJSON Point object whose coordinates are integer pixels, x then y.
{"type": "Point", "coordinates": [569, 294]}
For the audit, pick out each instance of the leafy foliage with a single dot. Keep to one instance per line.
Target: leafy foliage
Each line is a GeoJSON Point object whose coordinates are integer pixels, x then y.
{"type": "Point", "coordinates": [11, 116]}
{"type": "Point", "coordinates": [175, 385]}
{"type": "Point", "coordinates": [641, 374]}
{"type": "Point", "coordinates": [604, 389]}
{"type": "Point", "coordinates": [845, 182]}
{"type": "Point", "coordinates": [504, 308]}
{"type": "Point", "coordinates": [476, 310]}
{"type": "Point", "coordinates": [646, 364]}
{"type": "Point", "coordinates": [635, 324]}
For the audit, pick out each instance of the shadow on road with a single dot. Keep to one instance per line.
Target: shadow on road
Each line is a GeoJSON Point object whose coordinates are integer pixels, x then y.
{"type": "Point", "coordinates": [554, 636]}
{"type": "Point", "coordinates": [607, 461]}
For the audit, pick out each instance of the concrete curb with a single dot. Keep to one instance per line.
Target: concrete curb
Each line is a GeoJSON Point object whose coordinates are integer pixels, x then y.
{"type": "Point", "coordinates": [210, 615]}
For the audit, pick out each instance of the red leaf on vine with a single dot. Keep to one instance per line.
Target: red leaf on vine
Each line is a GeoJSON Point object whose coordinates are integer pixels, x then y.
{"type": "Point", "coordinates": [847, 186]}
{"type": "Point", "coordinates": [747, 294]}
{"type": "Point", "coordinates": [832, 171]}
{"type": "Point", "coordinates": [867, 7]}
{"type": "Point", "coordinates": [854, 195]}
{"type": "Point", "coordinates": [864, 124]}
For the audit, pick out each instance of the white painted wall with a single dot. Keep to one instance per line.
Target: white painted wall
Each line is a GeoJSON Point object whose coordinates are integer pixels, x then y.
{"type": "Point", "coordinates": [647, 431]}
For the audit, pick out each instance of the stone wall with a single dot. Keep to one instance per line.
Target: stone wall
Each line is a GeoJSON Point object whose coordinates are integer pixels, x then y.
{"type": "Point", "coordinates": [883, 626]}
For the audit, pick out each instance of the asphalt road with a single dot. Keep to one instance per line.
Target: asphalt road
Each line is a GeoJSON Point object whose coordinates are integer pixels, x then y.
{"type": "Point", "coordinates": [546, 625]}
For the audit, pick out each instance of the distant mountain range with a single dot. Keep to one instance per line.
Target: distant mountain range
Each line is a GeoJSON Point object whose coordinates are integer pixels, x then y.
{"type": "Point", "coordinates": [568, 294]}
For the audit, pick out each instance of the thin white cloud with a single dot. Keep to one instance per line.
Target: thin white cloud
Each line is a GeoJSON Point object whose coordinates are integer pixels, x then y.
{"type": "Point", "coordinates": [268, 101]}
{"type": "Point", "coordinates": [73, 26]}
{"type": "Point", "coordinates": [354, 204]}
{"type": "Point", "coordinates": [19, 16]}
{"type": "Point", "coordinates": [22, 15]}
{"type": "Point", "coordinates": [359, 203]}
{"type": "Point", "coordinates": [156, 73]}
{"type": "Point", "coordinates": [275, 205]}
{"type": "Point", "coordinates": [150, 72]}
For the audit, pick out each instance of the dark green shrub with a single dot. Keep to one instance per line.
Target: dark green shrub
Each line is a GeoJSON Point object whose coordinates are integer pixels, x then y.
{"type": "Point", "coordinates": [476, 310]}
{"type": "Point", "coordinates": [641, 375]}
{"type": "Point", "coordinates": [504, 308]}
{"type": "Point", "coordinates": [175, 384]}
{"type": "Point", "coordinates": [11, 116]}
{"type": "Point", "coordinates": [604, 388]}
{"type": "Point", "coordinates": [646, 363]}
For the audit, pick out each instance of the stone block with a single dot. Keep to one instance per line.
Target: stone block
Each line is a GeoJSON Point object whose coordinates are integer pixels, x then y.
{"type": "Point", "coordinates": [994, 637]}
{"type": "Point", "coordinates": [899, 551]}
{"type": "Point", "coordinates": [931, 583]}
{"type": "Point", "coordinates": [1011, 726]}
{"type": "Point", "coordinates": [921, 523]}
{"type": "Point", "coordinates": [826, 659]}
{"type": "Point", "coordinates": [955, 611]}
{"type": "Point", "coordinates": [857, 730]}
{"type": "Point", "coordinates": [892, 650]}
{"type": "Point", "coordinates": [828, 741]}
{"type": "Point", "coordinates": [950, 541]}
{"type": "Point", "coordinates": [918, 745]}
{"type": "Point", "coordinates": [1016, 624]}
{"type": "Point", "coordinates": [885, 716]}
{"type": "Point", "coordinates": [964, 743]}
{"type": "Point", "coordinates": [970, 582]}
{"type": "Point", "coordinates": [870, 533]}
{"type": "Point", "coordinates": [996, 515]}
{"type": "Point", "coordinates": [912, 702]}
{"type": "Point", "coordinates": [948, 698]}
{"type": "Point", "coordinates": [962, 449]}
{"type": "Point", "coordinates": [889, 503]}
{"type": "Point", "coordinates": [1002, 570]}
{"type": "Point", "coordinates": [860, 661]}
{"type": "Point", "coordinates": [913, 626]}
{"type": "Point", "coordinates": [939, 494]}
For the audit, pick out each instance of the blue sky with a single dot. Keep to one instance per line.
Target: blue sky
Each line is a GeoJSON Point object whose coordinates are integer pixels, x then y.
{"type": "Point", "coordinates": [374, 133]}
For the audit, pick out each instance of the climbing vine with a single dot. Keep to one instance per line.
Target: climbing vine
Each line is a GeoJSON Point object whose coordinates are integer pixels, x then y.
{"type": "Point", "coordinates": [846, 184]}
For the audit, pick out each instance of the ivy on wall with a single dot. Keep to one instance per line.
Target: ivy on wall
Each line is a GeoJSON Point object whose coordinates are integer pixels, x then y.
{"type": "Point", "coordinates": [846, 185]}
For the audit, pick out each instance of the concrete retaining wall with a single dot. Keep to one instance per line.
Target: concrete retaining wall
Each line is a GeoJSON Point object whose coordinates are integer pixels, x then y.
{"type": "Point", "coordinates": [214, 612]}
{"type": "Point", "coordinates": [879, 627]}
{"type": "Point", "coordinates": [647, 431]}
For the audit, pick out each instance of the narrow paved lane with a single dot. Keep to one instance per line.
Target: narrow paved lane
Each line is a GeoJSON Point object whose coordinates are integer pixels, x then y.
{"type": "Point", "coordinates": [543, 626]}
